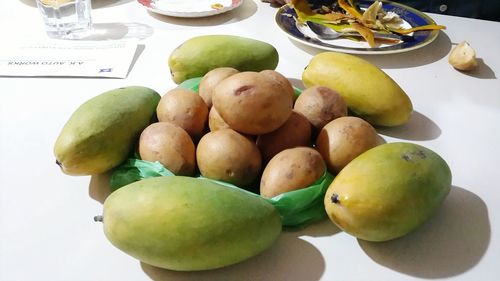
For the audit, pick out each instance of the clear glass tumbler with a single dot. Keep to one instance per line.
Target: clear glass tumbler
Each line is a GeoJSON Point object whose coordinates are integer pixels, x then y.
{"type": "Point", "coordinates": [66, 19]}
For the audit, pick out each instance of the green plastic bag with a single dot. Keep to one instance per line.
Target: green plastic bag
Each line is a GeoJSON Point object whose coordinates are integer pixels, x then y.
{"type": "Point", "coordinates": [192, 84]}
{"type": "Point", "coordinates": [134, 170]}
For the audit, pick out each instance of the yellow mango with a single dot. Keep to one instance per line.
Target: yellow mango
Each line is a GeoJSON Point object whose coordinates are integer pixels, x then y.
{"type": "Point", "coordinates": [368, 91]}
{"type": "Point", "coordinates": [388, 191]}
{"type": "Point", "coordinates": [187, 224]}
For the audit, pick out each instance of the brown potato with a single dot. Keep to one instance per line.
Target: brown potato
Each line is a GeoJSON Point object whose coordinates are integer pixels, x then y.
{"type": "Point", "coordinates": [343, 139]}
{"type": "Point", "coordinates": [280, 79]}
{"type": "Point", "coordinates": [170, 145]}
{"type": "Point", "coordinates": [291, 169]}
{"type": "Point", "coordinates": [320, 105]}
{"type": "Point", "coordinates": [185, 109]}
{"type": "Point", "coordinates": [215, 122]}
{"type": "Point", "coordinates": [295, 132]}
{"type": "Point", "coordinates": [211, 79]}
{"type": "Point", "coordinates": [228, 156]}
{"type": "Point", "coordinates": [254, 103]}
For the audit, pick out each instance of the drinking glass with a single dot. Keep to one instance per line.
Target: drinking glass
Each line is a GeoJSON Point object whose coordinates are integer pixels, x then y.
{"type": "Point", "coordinates": [66, 19]}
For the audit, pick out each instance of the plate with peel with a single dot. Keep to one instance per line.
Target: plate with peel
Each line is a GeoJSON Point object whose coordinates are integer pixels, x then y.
{"type": "Point", "coordinates": [190, 8]}
{"type": "Point", "coordinates": [409, 18]}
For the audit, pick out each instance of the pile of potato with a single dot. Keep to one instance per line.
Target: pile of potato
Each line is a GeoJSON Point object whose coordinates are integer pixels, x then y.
{"type": "Point", "coordinates": [250, 130]}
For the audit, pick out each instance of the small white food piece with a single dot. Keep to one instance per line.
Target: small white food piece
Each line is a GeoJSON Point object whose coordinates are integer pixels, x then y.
{"type": "Point", "coordinates": [463, 57]}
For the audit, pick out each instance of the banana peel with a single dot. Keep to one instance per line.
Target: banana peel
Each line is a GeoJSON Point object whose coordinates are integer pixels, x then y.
{"type": "Point", "coordinates": [365, 32]}
{"type": "Point", "coordinates": [353, 19]}
{"type": "Point", "coordinates": [304, 13]}
{"type": "Point", "coordinates": [350, 9]}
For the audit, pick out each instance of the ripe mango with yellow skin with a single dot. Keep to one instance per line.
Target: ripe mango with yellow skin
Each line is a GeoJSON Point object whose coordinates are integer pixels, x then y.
{"type": "Point", "coordinates": [388, 191]}
{"type": "Point", "coordinates": [368, 91]}
{"type": "Point", "coordinates": [187, 224]}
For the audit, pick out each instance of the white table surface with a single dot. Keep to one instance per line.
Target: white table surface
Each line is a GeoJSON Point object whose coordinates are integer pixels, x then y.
{"type": "Point", "coordinates": [47, 230]}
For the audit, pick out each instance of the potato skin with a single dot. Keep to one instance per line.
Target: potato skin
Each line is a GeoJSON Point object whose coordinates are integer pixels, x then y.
{"type": "Point", "coordinates": [254, 103]}
{"type": "Point", "coordinates": [170, 145]}
{"type": "Point", "coordinates": [295, 132]}
{"type": "Point", "coordinates": [291, 169]}
{"type": "Point", "coordinates": [211, 79]}
{"type": "Point", "coordinates": [228, 156]}
{"type": "Point", "coordinates": [343, 139]}
{"type": "Point", "coordinates": [320, 105]}
{"type": "Point", "coordinates": [215, 121]}
{"type": "Point", "coordinates": [185, 109]}
{"type": "Point", "coordinates": [278, 78]}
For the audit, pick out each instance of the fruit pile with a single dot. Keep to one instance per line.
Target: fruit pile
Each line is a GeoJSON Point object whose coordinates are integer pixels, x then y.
{"type": "Point", "coordinates": [233, 157]}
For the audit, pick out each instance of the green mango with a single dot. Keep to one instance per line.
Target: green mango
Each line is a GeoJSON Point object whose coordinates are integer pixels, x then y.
{"type": "Point", "coordinates": [368, 91]}
{"type": "Point", "coordinates": [102, 132]}
{"type": "Point", "coordinates": [388, 191]}
{"type": "Point", "coordinates": [198, 55]}
{"type": "Point", "coordinates": [187, 224]}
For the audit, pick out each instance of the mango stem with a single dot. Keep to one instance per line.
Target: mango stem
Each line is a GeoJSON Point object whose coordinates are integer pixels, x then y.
{"type": "Point", "coordinates": [335, 198]}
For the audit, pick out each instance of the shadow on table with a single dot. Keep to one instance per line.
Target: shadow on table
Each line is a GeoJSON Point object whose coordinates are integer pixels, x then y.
{"type": "Point", "coordinates": [116, 30]}
{"type": "Point", "coordinates": [289, 259]}
{"type": "Point", "coordinates": [418, 128]}
{"type": "Point", "coordinates": [483, 71]}
{"type": "Point", "coordinates": [137, 54]}
{"type": "Point", "coordinates": [96, 4]}
{"type": "Point", "coordinates": [433, 52]}
{"type": "Point", "coordinates": [450, 243]}
{"type": "Point", "coordinates": [425, 55]}
{"type": "Point", "coordinates": [246, 10]}
{"type": "Point", "coordinates": [321, 228]}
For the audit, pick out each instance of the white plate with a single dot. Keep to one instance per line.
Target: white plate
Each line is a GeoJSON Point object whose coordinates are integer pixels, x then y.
{"type": "Point", "coordinates": [190, 8]}
{"type": "Point", "coordinates": [286, 20]}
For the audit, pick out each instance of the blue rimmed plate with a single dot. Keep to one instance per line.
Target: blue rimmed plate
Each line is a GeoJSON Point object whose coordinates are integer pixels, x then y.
{"type": "Point", "coordinates": [286, 19]}
{"type": "Point", "coordinates": [190, 8]}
